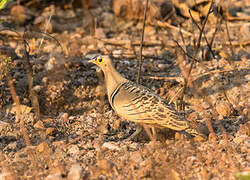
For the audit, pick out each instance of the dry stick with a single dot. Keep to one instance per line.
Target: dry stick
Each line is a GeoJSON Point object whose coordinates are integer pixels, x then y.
{"type": "Point", "coordinates": [197, 46]}
{"type": "Point", "coordinates": [207, 100]}
{"type": "Point", "coordinates": [183, 41]}
{"type": "Point", "coordinates": [22, 125]}
{"type": "Point", "coordinates": [187, 81]}
{"type": "Point", "coordinates": [19, 114]}
{"type": "Point", "coordinates": [181, 93]}
{"type": "Point", "coordinates": [180, 90]}
{"type": "Point", "coordinates": [231, 18]}
{"type": "Point", "coordinates": [120, 42]}
{"type": "Point", "coordinates": [184, 51]}
{"type": "Point", "coordinates": [25, 36]}
{"type": "Point", "coordinates": [229, 39]}
{"type": "Point", "coordinates": [34, 99]}
{"type": "Point", "coordinates": [179, 79]}
{"type": "Point", "coordinates": [141, 45]}
{"type": "Point", "coordinates": [18, 110]}
{"type": "Point", "coordinates": [46, 27]}
{"type": "Point", "coordinates": [33, 95]}
{"type": "Point", "coordinates": [218, 71]}
{"type": "Point", "coordinates": [16, 100]}
{"type": "Point", "coordinates": [197, 25]}
{"type": "Point", "coordinates": [196, 77]}
{"type": "Point", "coordinates": [77, 139]}
{"type": "Point", "coordinates": [218, 22]}
{"type": "Point", "coordinates": [225, 137]}
{"type": "Point", "coordinates": [140, 62]}
{"type": "Point", "coordinates": [116, 42]}
{"type": "Point", "coordinates": [165, 24]}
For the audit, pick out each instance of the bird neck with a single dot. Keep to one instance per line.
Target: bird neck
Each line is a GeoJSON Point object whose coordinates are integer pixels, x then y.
{"type": "Point", "coordinates": [113, 80]}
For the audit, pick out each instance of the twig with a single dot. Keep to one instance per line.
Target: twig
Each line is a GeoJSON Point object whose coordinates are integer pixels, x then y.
{"type": "Point", "coordinates": [197, 46]}
{"type": "Point", "coordinates": [187, 75]}
{"type": "Point", "coordinates": [231, 18]}
{"type": "Point", "coordinates": [179, 79]}
{"type": "Point", "coordinates": [218, 22]}
{"type": "Point", "coordinates": [118, 42]}
{"type": "Point", "coordinates": [46, 27]}
{"type": "Point", "coordinates": [229, 39]}
{"type": "Point", "coordinates": [33, 95]}
{"type": "Point", "coordinates": [195, 77]}
{"type": "Point", "coordinates": [184, 52]}
{"type": "Point", "coordinates": [183, 41]}
{"type": "Point", "coordinates": [16, 99]}
{"type": "Point", "coordinates": [165, 24]}
{"type": "Point", "coordinates": [180, 90]}
{"type": "Point", "coordinates": [18, 110]}
{"type": "Point", "coordinates": [197, 25]}
{"type": "Point", "coordinates": [77, 138]}
{"type": "Point", "coordinates": [217, 71]}
{"type": "Point", "coordinates": [26, 36]}
{"type": "Point", "coordinates": [236, 43]}
{"type": "Point", "coordinates": [141, 45]}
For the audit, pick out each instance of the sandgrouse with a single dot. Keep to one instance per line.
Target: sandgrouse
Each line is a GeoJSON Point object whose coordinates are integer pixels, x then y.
{"type": "Point", "coordinates": [139, 104]}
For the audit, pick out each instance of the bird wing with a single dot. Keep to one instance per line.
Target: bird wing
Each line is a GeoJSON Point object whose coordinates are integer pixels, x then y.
{"type": "Point", "coordinates": [139, 104]}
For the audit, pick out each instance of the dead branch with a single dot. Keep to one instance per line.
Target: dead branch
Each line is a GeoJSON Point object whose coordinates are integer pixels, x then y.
{"type": "Point", "coordinates": [165, 24]}
{"type": "Point", "coordinates": [118, 42]}
{"type": "Point", "coordinates": [195, 77]}
{"type": "Point", "coordinates": [229, 39]}
{"type": "Point", "coordinates": [179, 79]}
{"type": "Point", "coordinates": [18, 110]}
{"type": "Point", "coordinates": [188, 82]}
{"type": "Point", "coordinates": [141, 44]}
{"type": "Point", "coordinates": [33, 95]}
{"type": "Point", "coordinates": [231, 18]}
{"type": "Point", "coordinates": [204, 35]}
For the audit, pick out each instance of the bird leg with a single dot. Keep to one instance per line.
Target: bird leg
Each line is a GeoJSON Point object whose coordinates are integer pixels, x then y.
{"type": "Point", "coordinates": [147, 129]}
{"type": "Point", "coordinates": [151, 136]}
{"type": "Point", "coordinates": [154, 132]}
{"type": "Point", "coordinates": [137, 131]}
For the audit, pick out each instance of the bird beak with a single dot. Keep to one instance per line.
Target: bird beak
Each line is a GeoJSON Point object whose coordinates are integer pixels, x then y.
{"type": "Point", "coordinates": [92, 61]}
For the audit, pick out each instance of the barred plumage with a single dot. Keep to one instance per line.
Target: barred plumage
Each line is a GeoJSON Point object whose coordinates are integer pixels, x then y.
{"type": "Point", "coordinates": [139, 104]}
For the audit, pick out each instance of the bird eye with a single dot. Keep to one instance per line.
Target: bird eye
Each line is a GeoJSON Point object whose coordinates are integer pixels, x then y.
{"type": "Point", "coordinates": [100, 60]}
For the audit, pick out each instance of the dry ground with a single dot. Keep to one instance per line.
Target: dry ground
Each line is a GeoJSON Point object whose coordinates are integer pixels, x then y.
{"type": "Point", "coordinates": [78, 136]}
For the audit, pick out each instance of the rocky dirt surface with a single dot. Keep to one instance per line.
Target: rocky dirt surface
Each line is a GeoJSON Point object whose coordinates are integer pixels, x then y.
{"type": "Point", "coordinates": [76, 135]}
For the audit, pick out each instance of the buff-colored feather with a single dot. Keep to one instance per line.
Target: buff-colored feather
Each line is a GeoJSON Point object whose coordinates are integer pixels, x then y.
{"type": "Point", "coordinates": [139, 104]}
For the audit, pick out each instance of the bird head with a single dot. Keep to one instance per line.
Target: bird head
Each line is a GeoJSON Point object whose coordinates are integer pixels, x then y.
{"type": "Point", "coordinates": [103, 62]}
